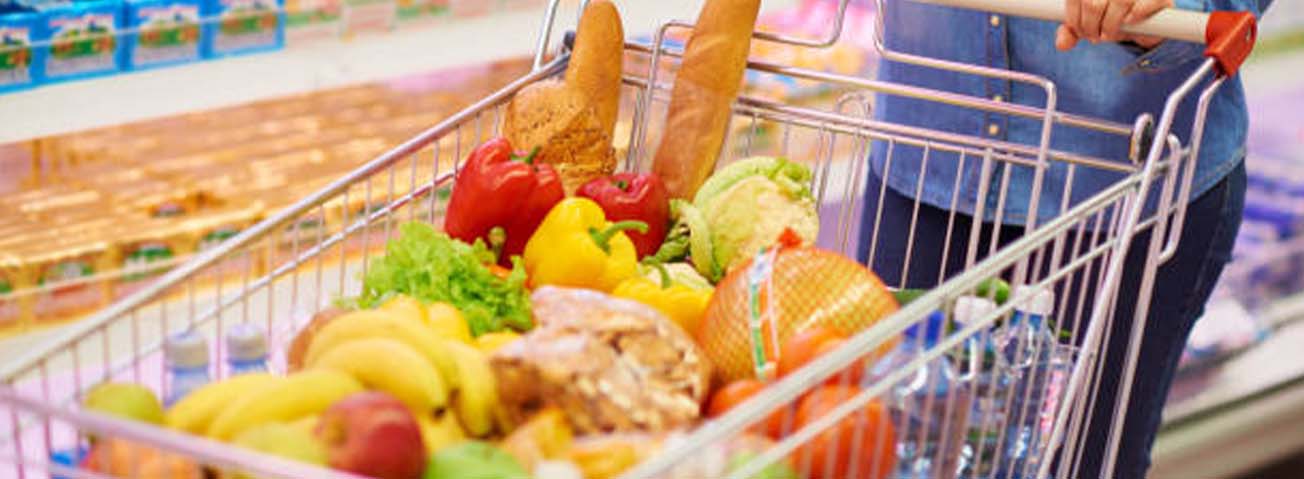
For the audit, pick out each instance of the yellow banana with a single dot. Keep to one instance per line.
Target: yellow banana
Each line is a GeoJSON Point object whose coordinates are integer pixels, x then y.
{"type": "Point", "coordinates": [384, 324]}
{"type": "Point", "coordinates": [439, 432]}
{"type": "Point", "coordinates": [390, 366]}
{"type": "Point", "coordinates": [194, 412]}
{"type": "Point", "coordinates": [477, 394]}
{"type": "Point", "coordinates": [488, 343]}
{"type": "Point", "coordinates": [296, 396]}
{"type": "Point", "coordinates": [407, 306]}
{"type": "Point", "coordinates": [448, 322]}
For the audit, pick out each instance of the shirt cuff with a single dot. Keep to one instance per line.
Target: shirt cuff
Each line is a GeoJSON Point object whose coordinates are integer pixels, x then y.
{"type": "Point", "coordinates": [1170, 53]}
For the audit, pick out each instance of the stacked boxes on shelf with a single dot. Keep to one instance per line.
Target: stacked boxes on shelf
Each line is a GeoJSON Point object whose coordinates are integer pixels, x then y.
{"type": "Point", "coordinates": [120, 205]}
{"type": "Point", "coordinates": [19, 29]}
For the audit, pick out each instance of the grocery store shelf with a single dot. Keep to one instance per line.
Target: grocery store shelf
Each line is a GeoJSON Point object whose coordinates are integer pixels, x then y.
{"type": "Point", "coordinates": [80, 105]}
{"type": "Point", "coordinates": [1250, 413]}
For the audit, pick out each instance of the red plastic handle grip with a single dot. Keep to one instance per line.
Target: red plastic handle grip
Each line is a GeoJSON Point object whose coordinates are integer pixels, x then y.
{"type": "Point", "coordinates": [1229, 39]}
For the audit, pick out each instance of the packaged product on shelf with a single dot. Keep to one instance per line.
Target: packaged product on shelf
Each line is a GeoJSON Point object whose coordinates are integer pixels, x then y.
{"type": "Point", "coordinates": [13, 277]}
{"type": "Point", "coordinates": [471, 8]}
{"type": "Point", "coordinates": [243, 26]}
{"type": "Point", "coordinates": [64, 270]}
{"type": "Point", "coordinates": [19, 28]}
{"type": "Point", "coordinates": [416, 11]}
{"type": "Point", "coordinates": [308, 20]}
{"type": "Point", "coordinates": [144, 248]}
{"type": "Point", "coordinates": [168, 32]}
{"type": "Point", "coordinates": [83, 36]}
{"type": "Point", "coordinates": [369, 16]}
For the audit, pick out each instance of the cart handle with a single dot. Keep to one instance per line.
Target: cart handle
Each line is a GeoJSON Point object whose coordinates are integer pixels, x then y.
{"type": "Point", "coordinates": [1228, 36]}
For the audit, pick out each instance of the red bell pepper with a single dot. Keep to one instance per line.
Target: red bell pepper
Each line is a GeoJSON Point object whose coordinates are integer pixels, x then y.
{"type": "Point", "coordinates": [501, 197]}
{"type": "Point", "coordinates": [636, 197]}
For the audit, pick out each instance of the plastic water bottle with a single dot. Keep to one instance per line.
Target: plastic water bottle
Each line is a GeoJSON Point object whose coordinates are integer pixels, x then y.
{"type": "Point", "coordinates": [930, 407]}
{"type": "Point", "coordinates": [246, 349]}
{"type": "Point", "coordinates": [187, 359]}
{"type": "Point", "coordinates": [1039, 367]}
{"type": "Point", "coordinates": [988, 384]}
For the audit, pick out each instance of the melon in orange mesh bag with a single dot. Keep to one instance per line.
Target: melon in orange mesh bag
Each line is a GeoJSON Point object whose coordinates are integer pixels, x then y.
{"type": "Point", "coordinates": [784, 290]}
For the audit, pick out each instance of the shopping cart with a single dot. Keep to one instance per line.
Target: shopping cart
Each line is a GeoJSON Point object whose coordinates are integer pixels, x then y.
{"type": "Point", "coordinates": [310, 253]}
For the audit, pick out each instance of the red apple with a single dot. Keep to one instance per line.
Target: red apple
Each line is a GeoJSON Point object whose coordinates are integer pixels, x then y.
{"type": "Point", "coordinates": [373, 434]}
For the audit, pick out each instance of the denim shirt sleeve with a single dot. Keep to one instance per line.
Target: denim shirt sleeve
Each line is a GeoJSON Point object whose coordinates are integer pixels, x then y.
{"type": "Point", "coordinates": [1170, 54]}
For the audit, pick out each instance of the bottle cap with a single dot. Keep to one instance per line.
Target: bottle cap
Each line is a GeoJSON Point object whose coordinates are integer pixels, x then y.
{"type": "Point", "coordinates": [970, 308]}
{"type": "Point", "coordinates": [931, 329]}
{"type": "Point", "coordinates": [1038, 301]}
{"type": "Point", "coordinates": [187, 350]}
{"type": "Point", "coordinates": [245, 341]}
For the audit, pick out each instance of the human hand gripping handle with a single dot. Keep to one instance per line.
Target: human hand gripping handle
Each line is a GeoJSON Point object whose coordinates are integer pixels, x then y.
{"type": "Point", "coordinates": [1228, 36]}
{"type": "Point", "coordinates": [1103, 20]}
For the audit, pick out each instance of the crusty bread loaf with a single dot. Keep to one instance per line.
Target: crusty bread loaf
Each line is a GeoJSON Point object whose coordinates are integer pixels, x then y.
{"type": "Point", "coordinates": [596, 62]}
{"type": "Point", "coordinates": [609, 364]}
{"type": "Point", "coordinates": [559, 121]}
{"type": "Point", "coordinates": [571, 122]}
{"type": "Point", "coordinates": [705, 88]}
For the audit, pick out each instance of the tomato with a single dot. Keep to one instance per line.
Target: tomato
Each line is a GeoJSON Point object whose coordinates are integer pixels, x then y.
{"type": "Point", "coordinates": [861, 445]}
{"type": "Point", "coordinates": [735, 393]}
{"type": "Point", "coordinates": [807, 345]}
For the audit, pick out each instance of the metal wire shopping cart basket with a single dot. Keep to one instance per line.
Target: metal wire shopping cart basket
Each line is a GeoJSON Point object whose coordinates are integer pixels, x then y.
{"type": "Point", "coordinates": [287, 267]}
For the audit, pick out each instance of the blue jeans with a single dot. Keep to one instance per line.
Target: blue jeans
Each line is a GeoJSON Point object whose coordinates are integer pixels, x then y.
{"type": "Point", "coordinates": [1181, 288]}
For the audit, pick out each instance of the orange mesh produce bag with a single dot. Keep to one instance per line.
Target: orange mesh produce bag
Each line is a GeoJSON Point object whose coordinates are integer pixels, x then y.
{"type": "Point", "coordinates": [783, 291]}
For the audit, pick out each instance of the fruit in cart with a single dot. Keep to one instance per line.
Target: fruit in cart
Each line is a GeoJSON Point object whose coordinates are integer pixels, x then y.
{"type": "Point", "coordinates": [803, 288]}
{"type": "Point", "coordinates": [633, 197]}
{"type": "Point", "coordinates": [607, 456]}
{"type": "Point", "coordinates": [373, 434]}
{"type": "Point", "coordinates": [734, 393]}
{"type": "Point", "coordinates": [391, 366]}
{"type": "Point", "coordinates": [491, 342]}
{"type": "Point", "coordinates": [544, 436]}
{"type": "Point", "coordinates": [775, 470]}
{"type": "Point", "coordinates": [440, 431]}
{"type": "Point", "coordinates": [683, 304]}
{"type": "Point", "coordinates": [474, 459]}
{"type": "Point", "coordinates": [995, 289]}
{"type": "Point", "coordinates": [299, 346]}
{"type": "Point", "coordinates": [861, 445]}
{"type": "Point", "coordinates": [357, 325]}
{"type": "Point", "coordinates": [477, 394]}
{"type": "Point", "coordinates": [283, 440]}
{"type": "Point", "coordinates": [125, 400]}
{"type": "Point", "coordinates": [405, 306]}
{"type": "Point", "coordinates": [117, 457]}
{"type": "Point", "coordinates": [197, 410]}
{"type": "Point", "coordinates": [448, 322]}
{"type": "Point", "coordinates": [576, 246]}
{"type": "Point", "coordinates": [500, 197]}
{"type": "Point", "coordinates": [296, 396]}
{"type": "Point", "coordinates": [431, 266]}
{"type": "Point", "coordinates": [812, 343]}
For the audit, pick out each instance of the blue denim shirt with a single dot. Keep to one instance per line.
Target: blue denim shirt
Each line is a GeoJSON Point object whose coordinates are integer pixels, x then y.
{"type": "Point", "coordinates": [1107, 80]}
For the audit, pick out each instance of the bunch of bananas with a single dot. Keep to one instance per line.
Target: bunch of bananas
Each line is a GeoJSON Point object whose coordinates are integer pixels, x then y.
{"type": "Point", "coordinates": [422, 355]}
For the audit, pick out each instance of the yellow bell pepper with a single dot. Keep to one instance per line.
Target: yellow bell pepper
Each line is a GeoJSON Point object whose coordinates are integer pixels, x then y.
{"type": "Point", "coordinates": [682, 304]}
{"type": "Point", "coordinates": [575, 246]}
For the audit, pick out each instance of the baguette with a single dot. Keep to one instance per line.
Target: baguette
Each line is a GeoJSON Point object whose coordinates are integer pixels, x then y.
{"type": "Point", "coordinates": [595, 65]}
{"type": "Point", "coordinates": [571, 122]}
{"type": "Point", "coordinates": [702, 98]}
